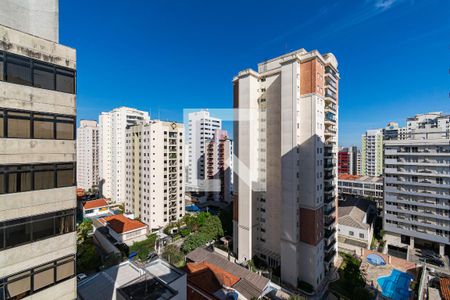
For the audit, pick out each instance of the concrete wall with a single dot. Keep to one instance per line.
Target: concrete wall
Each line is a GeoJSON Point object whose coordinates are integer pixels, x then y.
{"type": "Point", "coordinates": [36, 17]}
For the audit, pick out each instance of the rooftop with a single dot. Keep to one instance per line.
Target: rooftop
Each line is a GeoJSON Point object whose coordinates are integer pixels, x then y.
{"type": "Point", "coordinates": [95, 203]}
{"type": "Point", "coordinates": [121, 224]}
{"type": "Point", "coordinates": [352, 212]}
{"type": "Point", "coordinates": [370, 179]}
{"type": "Point", "coordinates": [206, 262]}
{"type": "Point", "coordinates": [130, 280]}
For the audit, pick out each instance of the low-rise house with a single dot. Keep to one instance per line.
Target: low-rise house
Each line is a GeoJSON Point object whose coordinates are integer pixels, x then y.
{"type": "Point", "coordinates": [356, 219]}
{"type": "Point", "coordinates": [123, 229]}
{"type": "Point", "coordinates": [95, 208]}
{"type": "Point", "coordinates": [212, 276]}
{"type": "Point", "coordinates": [156, 280]}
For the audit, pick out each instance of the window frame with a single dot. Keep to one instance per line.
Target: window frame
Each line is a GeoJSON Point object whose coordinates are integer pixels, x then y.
{"type": "Point", "coordinates": [32, 64]}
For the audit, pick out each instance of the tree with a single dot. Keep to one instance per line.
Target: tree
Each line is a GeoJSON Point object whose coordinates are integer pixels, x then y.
{"type": "Point", "coordinates": [194, 241]}
{"type": "Point", "coordinates": [173, 255]}
{"type": "Point", "coordinates": [212, 227]}
{"type": "Point", "coordinates": [88, 260]}
{"type": "Point", "coordinates": [83, 230]}
{"type": "Point", "coordinates": [143, 248]}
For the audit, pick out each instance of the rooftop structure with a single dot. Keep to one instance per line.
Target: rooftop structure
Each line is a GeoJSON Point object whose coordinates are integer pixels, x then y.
{"type": "Point", "coordinates": [151, 281]}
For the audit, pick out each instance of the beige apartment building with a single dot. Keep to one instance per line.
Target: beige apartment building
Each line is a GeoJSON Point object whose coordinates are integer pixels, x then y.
{"type": "Point", "coordinates": [37, 154]}
{"type": "Point", "coordinates": [285, 135]}
{"type": "Point", "coordinates": [87, 154]}
{"type": "Point", "coordinates": [218, 168]}
{"type": "Point", "coordinates": [154, 186]}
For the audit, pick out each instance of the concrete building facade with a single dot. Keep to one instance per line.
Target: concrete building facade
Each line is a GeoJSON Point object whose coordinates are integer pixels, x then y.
{"type": "Point", "coordinates": [218, 157]}
{"type": "Point", "coordinates": [200, 129]}
{"type": "Point", "coordinates": [112, 134]}
{"type": "Point", "coordinates": [372, 153]}
{"type": "Point", "coordinates": [87, 154]}
{"type": "Point", "coordinates": [155, 172]}
{"type": "Point", "coordinates": [417, 183]}
{"type": "Point", "coordinates": [37, 156]}
{"type": "Point", "coordinates": [285, 136]}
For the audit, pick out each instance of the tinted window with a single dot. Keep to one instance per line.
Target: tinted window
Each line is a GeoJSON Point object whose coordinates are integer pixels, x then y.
{"type": "Point", "coordinates": [44, 180]}
{"type": "Point", "coordinates": [17, 234]}
{"type": "Point", "coordinates": [43, 229]}
{"type": "Point", "coordinates": [19, 125]}
{"type": "Point", "coordinates": [65, 81]}
{"type": "Point", "coordinates": [64, 131]}
{"type": "Point", "coordinates": [43, 129]}
{"type": "Point", "coordinates": [18, 70]}
{"type": "Point", "coordinates": [2, 126]}
{"type": "Point", "coordinates": [65, 178]}
{"type": "Point", "coordinates": [43, 76]}
{"type": "Point", "coordinates": [2, 64]}
{"type": "Point", "coordinates": [2, 184]}
{"type": "Point", "coordinates": [64, 224]}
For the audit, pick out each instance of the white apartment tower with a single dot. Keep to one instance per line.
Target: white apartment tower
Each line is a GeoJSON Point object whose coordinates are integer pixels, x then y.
{"type": "Point", "coordinates": [218, 158]}
{"type": "Point", "coordinates": [37, 154]}
{"type": "Point", "coordinates": [285, 188]}
{"type": "Point", "coordinates": [372, 153]}
{"type": "Point", "coordinates": [200, 129]}
{"type": "Point", "coordinates": [112, 135]}
{"type": "Point", "coordinates": [87, 154]}
{"type": "Point", "coordinates": [417, 185]}
{"type": "Point", "coordinates": [155, 172]}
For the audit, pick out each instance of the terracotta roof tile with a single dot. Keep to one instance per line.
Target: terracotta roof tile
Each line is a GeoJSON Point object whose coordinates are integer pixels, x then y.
{"type": "Point", "coordinates": [445, 287]}
{"type": "Point", "coordinates": [121, 224]}
{"type": "Point", "coordinates": [95, 203]}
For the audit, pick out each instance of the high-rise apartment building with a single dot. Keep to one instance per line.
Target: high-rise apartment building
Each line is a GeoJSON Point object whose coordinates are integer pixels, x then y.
{"type": "Point", "coordinates": [87, 154]}
{"type": "Point", "coordinates": [417, 183]}
{"type": "Point", "coordinates": [348, 160]}
{"type": "Point", "coordinates": [112, 134]}
{"type": "Point", "coordinates": [372, 153]}
{"type": "Point", "coordinates": [200, 129]}
{"type": "Point", "coordinates": [37, 154]}
{"type": "Point", "coordinates": [218, 157]}
{"type": "Point", "coordinates": [285, 136]}
{"type": "Point", "coordinates": [155, 172]}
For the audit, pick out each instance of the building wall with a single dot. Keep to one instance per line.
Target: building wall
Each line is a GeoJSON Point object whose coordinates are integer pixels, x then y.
{"type": "Point", "coordinates": [33, 151]}
{"type": "Point", "coordinates": [155, 173]}
{"type": "Point", "coordinates": [112, 149]}
{"type": "Point", "coordinates": [372, 153]}
{"type": "Point", "coordinates": [29, 16]}
{"type": "Point", "coordinates": [201, 128]}
{"type": "Point", "coordinates": [279, 205]}
{"type": "Point", "coordinates": [87, 154]}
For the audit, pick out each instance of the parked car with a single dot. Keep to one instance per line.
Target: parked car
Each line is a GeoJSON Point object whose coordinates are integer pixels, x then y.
{"type": "Point", "coordinates": [81, 276]}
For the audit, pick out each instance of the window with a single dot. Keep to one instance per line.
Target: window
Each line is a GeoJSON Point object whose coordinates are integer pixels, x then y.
{"type": "Point", "coordinates": [43, 76]}
{"type": "Point", "coordinates": [2, 126]}
{"type": "Point", "coordinates": [18, 70]}
{"type": "Point", "coordinates": [351, 233]}
{"type": "Point", "coordinates": [65, 80]}
{"type": "Point", "coordinates": [65, 177]}
{"type": "Point", "coordinates": [35, 279]}
{"type": "Point", "coordinates": [65, 128]}
{"type": "Point", "coordinates": [23, 70]}
{"type": "Point", "coordinates": [19, 182]}
{"type": "Point", "coordinates": [18, 234]}
{"type": "Point", "coordinates": [361, 235]}
{"type": "Point", "coordinates": [43, 277]}
{"type": "Point", "coordinates": [44, 180]}
{"type": "Point", "coordinates": [26, 230]}
{"type": "Point", "coordinates": [19, 125]}
{"type": "Point", "coordinates": [19, 286]}
{"type": "Point", "coordinates": [43, 127]}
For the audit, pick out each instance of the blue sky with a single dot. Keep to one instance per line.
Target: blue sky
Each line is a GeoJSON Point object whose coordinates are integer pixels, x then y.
{"type": "Point", "coordinates": [164, 56]}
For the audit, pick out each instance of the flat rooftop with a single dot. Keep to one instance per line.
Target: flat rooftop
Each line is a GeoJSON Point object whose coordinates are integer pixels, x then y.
{"type": "Point", "coordinates": [131, 281]}
{"type": "Point", "coordinates": [368, 179]}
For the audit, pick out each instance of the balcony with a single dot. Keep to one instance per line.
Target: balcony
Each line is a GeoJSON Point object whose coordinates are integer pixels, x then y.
{"type": "Point", "coordinates": [330, 117]}
{"type": "Point", "coordinates": [330, 94]}
{"type": "Point", "coordinates": [329, 221]}
{"type": "Point", "coordinates": [330, 211]}
{"type": "Point", "coordinates": [330, 256]}
{"type": "Point", "coordinates": [331, 245]}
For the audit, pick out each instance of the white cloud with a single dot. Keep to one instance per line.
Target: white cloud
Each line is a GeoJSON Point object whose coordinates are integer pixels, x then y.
{"type": "Point", "coordinates": [384, 4]}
